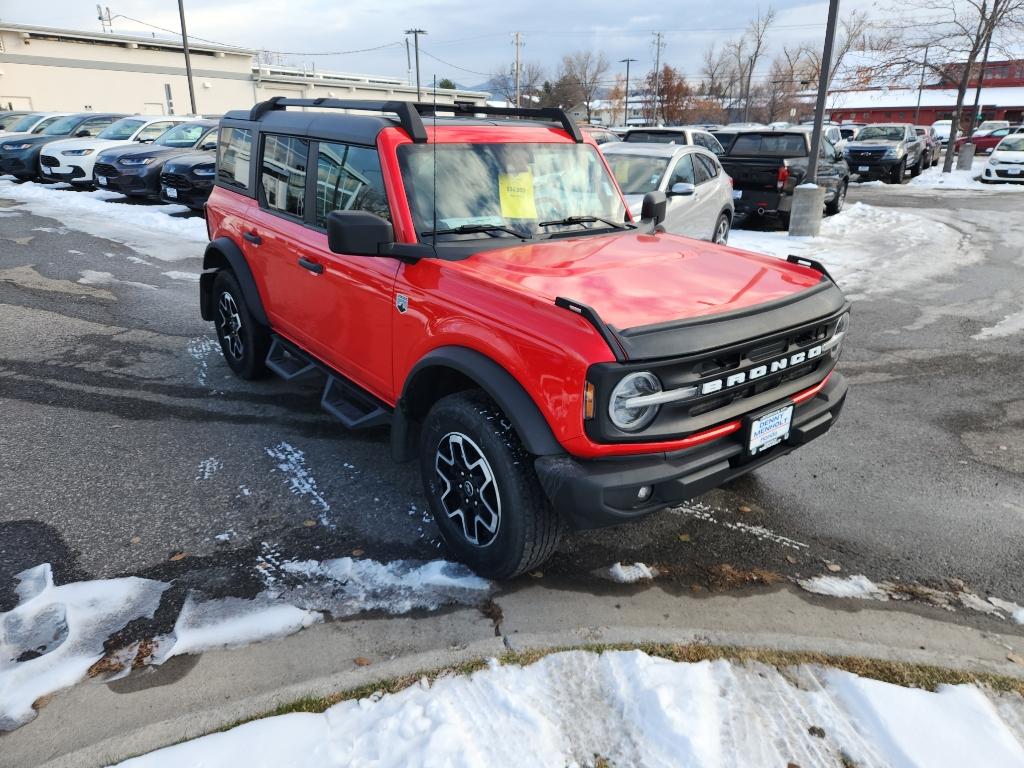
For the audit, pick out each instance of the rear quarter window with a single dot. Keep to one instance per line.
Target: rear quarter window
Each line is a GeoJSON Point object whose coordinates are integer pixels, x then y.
{"type": "Point", "coordinates": [234, 155]}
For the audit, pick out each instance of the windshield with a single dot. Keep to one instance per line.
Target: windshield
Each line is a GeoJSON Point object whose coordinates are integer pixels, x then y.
{"type": "Point", "coordinates": [122, 130]}
{"type": "Point", "coordinates": [637, 174]}
{"type": "Point", "coordinates": [657, 137]}
{"type": "Point", "coordinates": [885, 132]}
{"type": "Point", "coordinates": [64, 126]}
{"type": "Point", "coordinates": [7, 122]}
{"type": "Point", "coordinates": [511, 186]}
{"type": "Point", "coordinates": [182, 136]}
{"type": "Point", "coordinates": [24, 124]}
{"type": "Point", "coordinates": [1011, 144]}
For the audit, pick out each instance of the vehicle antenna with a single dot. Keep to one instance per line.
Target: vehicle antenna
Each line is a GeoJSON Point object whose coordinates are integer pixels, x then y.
{"type": "Point", "coordinates": [434, 164]}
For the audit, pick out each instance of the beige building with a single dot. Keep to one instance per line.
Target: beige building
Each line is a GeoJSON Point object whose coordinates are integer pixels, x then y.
{"type": "Point", "coordinates": [65, 70]}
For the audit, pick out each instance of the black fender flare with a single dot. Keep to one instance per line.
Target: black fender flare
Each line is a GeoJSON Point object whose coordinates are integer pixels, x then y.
{"type": "Point", "coordinates": [498, 383]}
{"type": "Point", "coordinates": [220, 254]}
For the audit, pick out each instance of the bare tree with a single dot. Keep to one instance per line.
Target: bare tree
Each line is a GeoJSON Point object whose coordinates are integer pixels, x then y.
{"type": "Point", "coordinates": [956, 35]}
{"type": "Point", "coordinates": [503, 80]}
{"type": "Point", "coordinates": [531, 76]}
{"type": "Point", "coordinates": [617, 101]}
{"type": "Point", "coordinates": [716, 72]}
{"type": "Point", "coordinates": [748, 52]}
{"type": "Point", "coordinates": [587, 69]}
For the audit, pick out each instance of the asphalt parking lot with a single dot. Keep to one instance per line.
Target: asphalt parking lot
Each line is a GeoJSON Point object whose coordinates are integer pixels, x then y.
{"type": "Point", "coordinates": [128, 448]}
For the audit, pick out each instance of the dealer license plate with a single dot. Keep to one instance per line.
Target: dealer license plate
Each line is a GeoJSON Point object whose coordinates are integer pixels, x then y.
{"type": "Point", "coordinates": [1013, 171]}
{"type": "Point", "coordinates": [172, 193]}
{"type": "Point", "coordinates": [101, 180]}
{"type": "Point", "coordinates": [737, 194]}
{"type": "Point", "coordinates": [46, 170]}
{"type": "Point", "coordinates": [863, 169]}
{"type": "Point", "coordinates": [770, 429]}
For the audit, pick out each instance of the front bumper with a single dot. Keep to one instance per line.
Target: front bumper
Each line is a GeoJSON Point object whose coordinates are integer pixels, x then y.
{"type": "Point", "coordinates": [69, 172]}
{"type": "Point", "coordinates": [875, 166]}
{"type": "Point", "coordinates": [600, 493]}
{"type": "Point", "coordinates": [194, 196]}
{"type": "Point", "coordinates": [23, 164]}
{"type": "Point", "coordinates": [1004, 173]}
{"type": "Point", "coordinates": [132, 181]}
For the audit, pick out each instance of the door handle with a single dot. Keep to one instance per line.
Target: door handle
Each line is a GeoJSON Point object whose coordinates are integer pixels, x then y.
{"type": "Point", "coordinates": [253, 238]}
{"type": "Point", "coordinates": [312, 266]}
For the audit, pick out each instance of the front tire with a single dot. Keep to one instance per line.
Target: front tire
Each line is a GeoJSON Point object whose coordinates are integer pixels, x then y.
{"type": "Point", "coordinates": [834, 207]}
{"type": "Point", "coordinates": [897, 174]}
{"type": "Point", "coordinates": [243, 341]}
{"type": "Point", "coordinates": [482, 489]}
{"type": "Point", "coordinates": [721, 233]}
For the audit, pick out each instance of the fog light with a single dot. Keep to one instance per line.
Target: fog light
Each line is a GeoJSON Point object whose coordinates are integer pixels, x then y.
{"type": "Point", "coordinates": [644, 493]}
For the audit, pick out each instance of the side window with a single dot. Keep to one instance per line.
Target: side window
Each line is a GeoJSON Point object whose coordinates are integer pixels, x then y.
{"type": "Point", "coordinates": [283, 174]}
{"type": "Point", "coordinates": [700, 169]}
{"type": "Point", "coordinates": [94, 125]}
{"type": "Point", "coordinates": [826, 150]}
{"type": "Point", "coordinates": [349, 179]}
{"type": "Point", "coordinates": [683, 172]}
{"type": "Point", "coordinates": [234, 153]}
{"type": "Point", "coordinates": [709, 166]}
{"type": "Point", "coordinates": [152, 131]}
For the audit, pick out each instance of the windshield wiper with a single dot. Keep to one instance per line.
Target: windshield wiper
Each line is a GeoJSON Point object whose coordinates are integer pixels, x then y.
{"type": "Point", "coordinates": [469, 229]}
{"type": "Point", "coordinates": [568, 220]}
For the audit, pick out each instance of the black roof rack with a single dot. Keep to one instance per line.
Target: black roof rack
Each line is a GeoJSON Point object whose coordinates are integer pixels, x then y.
{"type": "Point", "coordinates": [410, 113]}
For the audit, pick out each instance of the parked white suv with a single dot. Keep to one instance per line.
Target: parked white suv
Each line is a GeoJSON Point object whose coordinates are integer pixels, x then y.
{"type": "Point", "coordinates": [674, 135]}
{"type": "Point", "coordinates": [699, 191]}
{"type": "Point", "coordinates": [72, 159]}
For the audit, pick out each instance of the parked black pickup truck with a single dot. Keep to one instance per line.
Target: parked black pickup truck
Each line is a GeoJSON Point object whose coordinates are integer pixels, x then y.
{"type": "Point", "coordinates": [766, 166]}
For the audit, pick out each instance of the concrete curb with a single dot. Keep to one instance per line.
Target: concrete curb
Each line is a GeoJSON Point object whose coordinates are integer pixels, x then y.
{"type": "Point", "coordinates": [190, 696]}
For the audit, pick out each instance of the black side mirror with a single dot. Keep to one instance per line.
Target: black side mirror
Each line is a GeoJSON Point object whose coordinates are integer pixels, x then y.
{"type": "Point", "coordinates": [358, 233]}
{"type": "Point", "coordinates": [83, 133]}
{"type": "Point", "coordinates": [654, 207]}
{"type": "Point", "coordinates": [208, 146]}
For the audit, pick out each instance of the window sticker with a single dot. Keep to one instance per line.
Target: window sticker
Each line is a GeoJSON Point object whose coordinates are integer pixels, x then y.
{"type": "Point", "coordinates": [516, 195]}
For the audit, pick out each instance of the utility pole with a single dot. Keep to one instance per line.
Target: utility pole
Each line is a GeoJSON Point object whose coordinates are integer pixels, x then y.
{"type": "Point", "coordinates": [658, 45]}
{"type": "Point", "coordinates": [408, 63]}
{"type": "Point", "coordinates": [920, 87]}
{"type": "Point", "coordinates": [188, 59]}
{"type": "Point", "coordinates": [416, 43]}
{"type": "Point", "coordinates": [625, 107]}
{"type": "Point", "coordinates": [516, 38]}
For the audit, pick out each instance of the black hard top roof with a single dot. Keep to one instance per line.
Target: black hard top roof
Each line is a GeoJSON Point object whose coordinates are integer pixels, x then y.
{"type": "Point", "coordinates": [363, 128]}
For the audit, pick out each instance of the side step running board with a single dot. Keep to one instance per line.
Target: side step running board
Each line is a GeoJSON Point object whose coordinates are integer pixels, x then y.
{"type": "Point", "coordinates": [348, 403]}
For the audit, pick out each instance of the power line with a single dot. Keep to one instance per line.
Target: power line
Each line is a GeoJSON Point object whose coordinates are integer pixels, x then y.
{"type": "Point", "coordinates": [454, 66]}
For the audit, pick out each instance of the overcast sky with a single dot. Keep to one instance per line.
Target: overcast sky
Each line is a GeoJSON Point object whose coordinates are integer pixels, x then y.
{"type": "Point", "coordinates": [472, 36]}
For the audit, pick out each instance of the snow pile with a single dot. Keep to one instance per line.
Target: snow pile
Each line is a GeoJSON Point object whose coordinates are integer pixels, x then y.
{"type": "Point", "coordinates": [934, 179]}
{"type": "Point", "coordinates": [54, 634]}
{"type": "Point", "coordinates": [627, 708]}
{"type": "Point", "coordinates": [147, 229]}
{"type": "Point", "coordinates": [871, 250]}
{"type": "Point", "coordinates": [628, 574]}
{"type": "Point", "coordinates": [346, 586]}
{"type": "Point", "coordinates": [1008, 326]}
{"type": "Point", "coordinates": [858, 586]}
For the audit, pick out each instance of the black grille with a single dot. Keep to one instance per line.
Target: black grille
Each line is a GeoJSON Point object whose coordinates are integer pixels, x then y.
{"type": "Point", "coordinates": [50, 162]}
{"type": "Point", "coordinates": [175, 181]}
{"type": "Point", "coordinates": [106, 169]}
{"type": "Point", "coordinates": [866, 154]}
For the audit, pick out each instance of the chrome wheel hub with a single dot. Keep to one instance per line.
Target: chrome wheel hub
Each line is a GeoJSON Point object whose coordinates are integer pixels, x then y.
{"type": "Point", "coordinates": [468, 490]}
{"type": "Point", "coordinates": [229, 323]}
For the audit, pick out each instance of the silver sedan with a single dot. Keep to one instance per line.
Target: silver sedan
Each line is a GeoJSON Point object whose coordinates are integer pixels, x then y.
{"type": "Point", "coordinates": [699, 191]}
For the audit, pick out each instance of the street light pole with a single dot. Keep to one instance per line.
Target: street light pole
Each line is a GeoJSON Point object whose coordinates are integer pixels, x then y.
{"type": "Point", "coordinates": [809, 200]}
{"type": "Point", "coordinates": [416, 42]}
{"type": "Point", "coordinates": [188, 59]}
{"type": "Point", "coordinates": [625, 107]}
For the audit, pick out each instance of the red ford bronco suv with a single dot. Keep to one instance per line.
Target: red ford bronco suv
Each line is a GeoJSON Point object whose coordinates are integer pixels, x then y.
{"type": "Point", "coordinates": [476, 283]}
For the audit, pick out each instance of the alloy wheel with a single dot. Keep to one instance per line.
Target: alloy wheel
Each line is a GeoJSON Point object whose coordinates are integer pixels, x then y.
{"type": "Point", "coordinates": [229, 323]}
{"type": "Point", "coordinates": [469, 494]}
{"type": "Point", "coordinates": [722, 231]}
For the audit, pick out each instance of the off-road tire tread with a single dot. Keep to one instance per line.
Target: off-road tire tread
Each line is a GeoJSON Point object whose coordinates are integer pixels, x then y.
{"type": "Point", "coordinates": [260, 337]}
{"type": "Point", "coordinates": [543, 528]}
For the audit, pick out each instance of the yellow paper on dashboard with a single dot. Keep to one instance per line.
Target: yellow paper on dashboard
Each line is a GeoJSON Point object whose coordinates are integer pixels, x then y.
{"type": "Point", "coordinates": [515, 192]}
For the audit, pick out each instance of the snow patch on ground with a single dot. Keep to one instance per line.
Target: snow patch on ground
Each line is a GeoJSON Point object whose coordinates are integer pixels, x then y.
{"type": "Point", "coordinates": [92, 277]}
{"type": "Point", "coordinates": [627, 708]}
{"type": "Point", "coordinates": [714, 515]}
{"type": "Point", "coordinates": [149, 230]}
{"type": "Point", "coordinates": [1015, 611]}
{"type": "Point", "coordinates": [1008, 326]}
{"type": "Point", "coordinates": [55, 634]}
{"type": "Point", "coordinates": [858, 586]}
{"type": "Point", "coordinates": [192, 277]}
{"type": "Point", "coordinates": [935, 180]}
{"type": "Point", "coordinates": [292, 463]}
{"type": "Point", "coordinates": [208, 468]}
{"type": "Point", "coordinates": [199, 349]}
{"type": "Point", "coordinates": [628, 574]}
{"type": "Point", "coordinates": [871, 250]}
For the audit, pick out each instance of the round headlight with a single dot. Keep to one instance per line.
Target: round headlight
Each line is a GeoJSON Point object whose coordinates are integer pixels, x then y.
{"type": "Point", "coordinates": [630, 418]}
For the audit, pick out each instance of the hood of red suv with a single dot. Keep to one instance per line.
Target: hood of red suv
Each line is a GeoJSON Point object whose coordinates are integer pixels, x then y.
{"type": "Point", "coordinates": [634, 279]}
